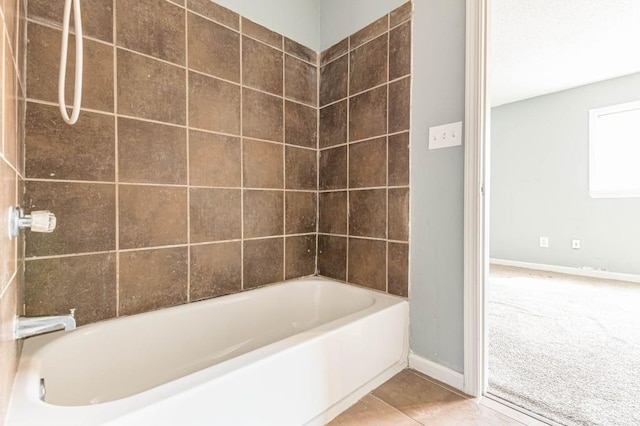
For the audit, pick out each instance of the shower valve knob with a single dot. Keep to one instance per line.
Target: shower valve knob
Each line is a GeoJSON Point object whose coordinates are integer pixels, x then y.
{"type": "Point", "coordinates": [43, 221]}
{"type": "Point", "coordinates": [37, 221]}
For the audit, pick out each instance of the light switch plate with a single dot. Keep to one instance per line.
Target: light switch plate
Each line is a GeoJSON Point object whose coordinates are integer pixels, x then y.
{"type": "Point", "coordinates": [445, 136]}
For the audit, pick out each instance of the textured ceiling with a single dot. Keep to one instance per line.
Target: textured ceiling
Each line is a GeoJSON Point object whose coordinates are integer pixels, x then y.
{"type": "Point", "coordinates": [544, 46]}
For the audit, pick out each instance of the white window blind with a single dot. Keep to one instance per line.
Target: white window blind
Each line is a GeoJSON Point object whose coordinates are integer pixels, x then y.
{"type": "Point", "coordinates": [614, 151]}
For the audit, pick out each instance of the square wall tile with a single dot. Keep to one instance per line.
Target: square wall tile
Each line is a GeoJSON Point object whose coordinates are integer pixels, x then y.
{"type": "Point", "coordinates": [299, 51]}
{"type": "Point", "coordinates": [213, 104]}
{"type": "Point", "coordinates": [262, 66]}
{"type": "Point", "coordinates": [151, 153]}
{"type": "Point", "coordinates": [332, 257]}
{"type": "Point", "coordinates": [215, 215]}
{"type": "Point", "coordinates": [152, 279]}
{"type": "Point", "coordinates": [216, 270]}
{"type": "Point", "coordinates": [368, 114]}
{"type": "Point", "coordinates": [368, 65]}
{"type": "Point", "coordinates": [368, 213]}
{"type": "Point", "coordinates": [301, 168]}
{"type": "Point", "coordinates": [214, 11]}
{"type": "Point", "coordinates": [9, 347]}
{"type": "Point", "coordinates": [152, 216]}
{"type": "Point", "coordinates": [263, 262]}
{"type": "Point", "coordinates": [153, 27]}
{"type": "Point", "coordinates": [214, 160]}
{"type": "Point", "coordinates": [263, 164]}
{"type": "Point", "coordinates": [55, 150]}
{"type": "Point", "coordinates": [263, 213]}
{"type": "Point", "coordinates": [213, 49]}
{"type": "Point", "coordinates": [398, 274]}
{"type": "Point", "coordinates": [97, 16]}
{"type": "Point", "coordinates": [399, 105]}
{"type": "Point", "coordinates": [333, 168]}
{"type": "Point", "coordinates": [333, 213]}
{"type": "Point", "coordinates": [334, 80]}
{"type": "Point", "coordinates": [301, 81]}
{"type": "Point", "coordinates": [400, 51]}
{"type": "Point", "coordinates": [261, 33]}
{"type": "Point", "coordinates": [262, 116]}
{"type": "Point", "coordinates": [145, 87]}
{"type": "Point", "coordinates": [368, 163]}
{"type": "Point", "coordinates": [399, 214]}
{"type": "Point", "coordinates": [334, 52]}
{"type": "Point", "coordinates": [369, 32]}
{"type": "Point", "coordinates": [10, 111]}
{"type": "Point", "coordinates": [300, 212]}
{"type": "Point", "coordinates": [43, 62]}
{"type": "Point", "coordinates": [300, 256]}
{"type": "Point", "coordinates": [8, 246]}
{"type": "Point", "coordinates": [399, 159]}
{"type": "Point", "coordinates": [301, 125]}
{"type": "Point", "coordinates": [85, 214]}
{"type": "Point", "coordinates": [400, 14]}
{"type": "Point", "coordinates": [85, 283]}
{"type": "Point", "coordinates": [363, 254]}
{"type": "Point", "coordinates": [333, 124]}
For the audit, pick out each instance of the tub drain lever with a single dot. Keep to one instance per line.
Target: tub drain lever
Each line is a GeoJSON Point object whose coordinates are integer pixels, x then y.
{"type": "Point", "coordinates": [38, 221]}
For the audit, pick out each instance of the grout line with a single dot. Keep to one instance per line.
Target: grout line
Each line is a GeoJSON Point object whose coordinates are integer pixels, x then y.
{"type": "Point", "coordinates": [117, 169]}
{"type": "Point", "coordinates": [242, 188]}
{"type": "Point", "coordinates": [4, 85]}
{"type": "Point", "coordinates": [394, 408]}
{"type": "Point", "coordinates": [365, 90]}
{"type": "Point", "coordinates": [284, 164]}
{"type": "Point", "coordinates": [136, 249]}
{"type": "Point", "coordinates": [183, 126]}
{"type": "Point", "coordinates": [188, 207]}
{"type": "Point", "coordinates": [317, 148]}
{"type": "Point", "coordinates": [346, 270]}
{"type": "Point", "coordinates": [161, 185]}
{"type": "Point", "coordinates": [386, 165]}
{"type": "Point", "coordinates": [361, 237]}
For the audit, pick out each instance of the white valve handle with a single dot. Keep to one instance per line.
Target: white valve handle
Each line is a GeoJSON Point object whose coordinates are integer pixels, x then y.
{"type": "Point", "coordinates": [43, 221]}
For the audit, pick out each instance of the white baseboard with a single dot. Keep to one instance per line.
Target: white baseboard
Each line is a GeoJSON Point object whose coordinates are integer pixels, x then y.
{"type": "Point", "coordinates": [569, 270]}
{"type": "Point", "coordinates": [437, 371]}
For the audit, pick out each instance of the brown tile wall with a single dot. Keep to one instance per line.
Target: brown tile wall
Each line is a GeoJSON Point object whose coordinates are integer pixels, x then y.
{"type": "Point", "coordinates": [212, 155]}
{"type": "Point", "coordinates": [11, 189]}
{"type": "Point", "coordinates": [192, 172]}
{"type": "Point", "coordinates": [363, 204]}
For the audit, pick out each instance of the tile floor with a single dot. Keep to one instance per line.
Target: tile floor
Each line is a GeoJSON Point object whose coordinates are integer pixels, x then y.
{"type": "Point", "coordinates": [411, 399]}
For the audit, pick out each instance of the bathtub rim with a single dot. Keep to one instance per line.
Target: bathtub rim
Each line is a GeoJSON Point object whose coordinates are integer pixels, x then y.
{"type": "Point", "coordinates": [26, 387]}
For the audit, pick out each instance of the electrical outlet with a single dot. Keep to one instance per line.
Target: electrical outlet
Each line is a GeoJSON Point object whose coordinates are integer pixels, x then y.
{"type": "Point", "coordinates": [575, 244]}
{"type": "Point", "coordinates": [544, 242]}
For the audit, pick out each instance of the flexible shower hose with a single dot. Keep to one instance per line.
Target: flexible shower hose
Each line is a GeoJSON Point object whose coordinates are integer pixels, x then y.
{"type": "Point", "coordinates": [77, 95]}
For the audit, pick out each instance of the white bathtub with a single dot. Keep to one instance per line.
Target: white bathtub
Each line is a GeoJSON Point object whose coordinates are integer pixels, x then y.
{"type": "Point", "coordinates": [293, 353]}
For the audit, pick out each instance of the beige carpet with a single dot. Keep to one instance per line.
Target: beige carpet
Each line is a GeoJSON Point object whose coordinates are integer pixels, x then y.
{"type": "Point", "coordinates": [565, 347]}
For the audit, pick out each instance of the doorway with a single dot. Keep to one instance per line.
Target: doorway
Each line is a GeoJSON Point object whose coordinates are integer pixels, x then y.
{"type": "Point", "coordinates": [478, 251]}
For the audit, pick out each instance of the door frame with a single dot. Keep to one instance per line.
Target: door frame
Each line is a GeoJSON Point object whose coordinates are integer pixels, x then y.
{"type": "Point", "coordinates": [475, 190]}
{"type": "Point", "coordinates": [476, 213]}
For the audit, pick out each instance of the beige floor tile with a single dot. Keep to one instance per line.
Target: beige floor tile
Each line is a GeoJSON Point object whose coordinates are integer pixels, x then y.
{"type": "Point", "coordinates": [432, 404]}
{"type": "Point", "coordinates": [370, 411]}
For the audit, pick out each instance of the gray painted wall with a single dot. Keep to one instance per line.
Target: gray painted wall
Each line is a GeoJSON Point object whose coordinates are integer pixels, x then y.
{"type": "Point", "coordinates": [539, 183]}
{"type": "Point", "coordinates": [297, 19]}
{"type": "Point", "coordinates": [437, 177]}
{"type": "Point", "coordinates": [437, 184]}
{"type": "Point", "coordinates": [340, 18]}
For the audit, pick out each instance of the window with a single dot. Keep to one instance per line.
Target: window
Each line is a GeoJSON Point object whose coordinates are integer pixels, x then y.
{"type": "Point", "coordinates": [614, 151]}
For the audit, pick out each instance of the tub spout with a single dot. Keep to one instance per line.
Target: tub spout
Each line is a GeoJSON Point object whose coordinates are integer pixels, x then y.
{"type": "Point", "coordinates": [32, 326]}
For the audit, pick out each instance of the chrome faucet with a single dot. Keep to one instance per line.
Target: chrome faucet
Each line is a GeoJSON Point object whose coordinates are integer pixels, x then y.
{"type": "Point", "coordinates": [32, 326]}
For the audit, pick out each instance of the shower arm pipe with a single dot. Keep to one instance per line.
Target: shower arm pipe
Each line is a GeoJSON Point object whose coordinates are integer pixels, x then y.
{"type": "Point", "coordinates": [77, 95]}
